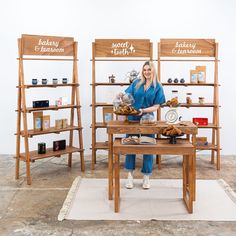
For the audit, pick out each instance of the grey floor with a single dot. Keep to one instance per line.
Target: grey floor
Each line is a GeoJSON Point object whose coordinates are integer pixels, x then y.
{"type": "Point", "coordinates": [33, 210]}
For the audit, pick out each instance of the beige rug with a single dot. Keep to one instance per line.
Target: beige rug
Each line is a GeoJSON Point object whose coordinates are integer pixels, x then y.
{"type": "Point", "coordinates": [87, 200]}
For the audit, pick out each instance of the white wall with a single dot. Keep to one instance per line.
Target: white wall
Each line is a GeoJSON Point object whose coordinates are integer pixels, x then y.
{"type": "Point", "coordinates": [90, 19]}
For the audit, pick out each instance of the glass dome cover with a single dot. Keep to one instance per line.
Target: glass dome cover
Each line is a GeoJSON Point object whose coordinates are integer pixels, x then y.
{"type": "Point", "coordinates": [147, 119]}
{"type": "Point", "coordinates": [124, 99]}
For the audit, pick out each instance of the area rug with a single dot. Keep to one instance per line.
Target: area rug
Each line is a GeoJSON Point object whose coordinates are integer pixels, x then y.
{"type": "Point", "coordinates": [87, 200]}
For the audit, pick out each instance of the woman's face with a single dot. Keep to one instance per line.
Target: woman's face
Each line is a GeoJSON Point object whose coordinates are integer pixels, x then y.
{"type": "Point", "coordinates": [147, 72]}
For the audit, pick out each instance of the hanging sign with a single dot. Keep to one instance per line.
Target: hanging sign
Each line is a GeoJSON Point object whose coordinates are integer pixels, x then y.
{"type": "Point", "coordinates": [122, 48]}
{"type": "Point", "coordinates": [47, 45]}
{"type": "Point", "coordinates": [187, 47]}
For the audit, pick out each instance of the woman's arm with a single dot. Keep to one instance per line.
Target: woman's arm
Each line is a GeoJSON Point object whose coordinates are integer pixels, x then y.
{"type": "Point", "coordinates": [149, 109]}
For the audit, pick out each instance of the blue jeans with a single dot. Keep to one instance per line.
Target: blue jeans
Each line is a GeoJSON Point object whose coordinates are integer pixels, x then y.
{"type": "Point", "coordinates": [147, 159]}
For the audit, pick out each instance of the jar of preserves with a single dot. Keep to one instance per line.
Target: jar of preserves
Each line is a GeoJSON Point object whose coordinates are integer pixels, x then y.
{"type": "Point", "coordinates": [201, 100]}
{"type": "Point", "coordinates": [189, 98]}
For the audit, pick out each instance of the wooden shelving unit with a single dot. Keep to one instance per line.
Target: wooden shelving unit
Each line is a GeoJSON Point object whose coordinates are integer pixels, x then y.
{"type": "Point", "coordinates": [181, 50]}
{"type": "Point", "coordinates": [60, 49]}
{"type": "Point", "coordinates": [113, 50]}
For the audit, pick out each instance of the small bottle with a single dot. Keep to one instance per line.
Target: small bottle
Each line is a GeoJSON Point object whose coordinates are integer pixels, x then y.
{"type": "Point", "coordinates": [189, 98]}
{"type": "Point", "coordinates": [201, 100]}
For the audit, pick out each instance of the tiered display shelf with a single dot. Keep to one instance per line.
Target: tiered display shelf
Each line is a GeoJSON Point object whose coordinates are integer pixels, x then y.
{"type": "Point", "coordinates": [47, 48]}
{"type": "Point", "coordinates": [113, 50]}
{"type": "Point", "coordinates": [192, 51]}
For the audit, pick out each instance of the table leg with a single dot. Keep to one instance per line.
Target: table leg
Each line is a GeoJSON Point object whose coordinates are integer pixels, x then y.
{"type": "Point", "coordinates": [190, 186]}
{"type": "Point", "coordinates": [117, 183]}
{"type": "Point", "coordinates": [194, 167]}
{"type": "Point", "coordinates": [184, 176]}
{"type": "Point", "coordinates": [110, 166]}
{"type": "Point", "coordinates": [187, 182]}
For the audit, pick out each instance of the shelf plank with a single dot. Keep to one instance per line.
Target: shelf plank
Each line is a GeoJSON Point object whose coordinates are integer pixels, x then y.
{"type": "Point", "coordinates": [193, 105]}
{"type": "Point", "coordinates": [32, 132]}
{"type": "Point", "coordinates": [30, 109]}
{"type": "Point", "coordinates": [102, 104]}
{"type": "Point", "coordinates": [48, 85]}
{"type": "Point", "coordinates": [188, 84]}
{"type": "Point", "coordinates": [101, 146]}
{"type": "Point", "coordinates": [210, 146]}
{"type": "Point", "coordinates": [50, 153]}
{"type": "Point", "coordinates": [110, 84]}
{"type": "Point", "coordinates": [126, 59]}
{"type": "Point", "coordinates": [209, 126]}
{"type": "Point", "coordinates": [191, 60]}
{"type": "Point", "coordinates": [46, 59]}
{"type": "Point", "coordinates": [100, 125]}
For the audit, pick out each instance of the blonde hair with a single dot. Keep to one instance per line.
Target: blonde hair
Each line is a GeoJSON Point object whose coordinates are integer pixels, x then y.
{"type": "Point", "coordinates": [153, 77]}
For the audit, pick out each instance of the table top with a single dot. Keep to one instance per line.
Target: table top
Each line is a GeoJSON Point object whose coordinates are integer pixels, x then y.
{"type": "Point", "coordinates": [121, 127]}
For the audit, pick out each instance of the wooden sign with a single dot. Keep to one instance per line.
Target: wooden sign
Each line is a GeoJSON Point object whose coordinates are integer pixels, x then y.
{"type": "Point", "coordinates": [187, 48]}
{"type": "Point", "coordinates": [47, 45]}
{"type": "Point", "coordinates": [122, 48]}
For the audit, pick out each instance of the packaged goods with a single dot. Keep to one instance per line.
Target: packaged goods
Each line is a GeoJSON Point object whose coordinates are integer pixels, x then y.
{"type": "Point", "coordinates": [201, 74]}
{"type": "Point", "coordinates": [193, 76]}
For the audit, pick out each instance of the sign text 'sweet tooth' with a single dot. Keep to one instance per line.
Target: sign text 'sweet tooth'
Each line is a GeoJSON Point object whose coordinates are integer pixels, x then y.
{"type": "Point", "coordinates": [122, 48]}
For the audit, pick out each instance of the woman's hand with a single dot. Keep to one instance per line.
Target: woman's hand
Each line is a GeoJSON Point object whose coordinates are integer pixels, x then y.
{"type": "Point", "coordinates": [140, 112]}
{"type": "Point", "coordinates": [119, 95]}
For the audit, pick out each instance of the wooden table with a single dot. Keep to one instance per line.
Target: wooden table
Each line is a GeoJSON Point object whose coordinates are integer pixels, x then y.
{"type": "Point", "coordinates": [130, 127]}
{"type": "Point", "coordinates": [162, 147]}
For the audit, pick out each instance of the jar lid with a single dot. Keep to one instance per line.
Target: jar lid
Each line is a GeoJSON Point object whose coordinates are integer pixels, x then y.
{"type": "Point", "coordinates": [174, 91]}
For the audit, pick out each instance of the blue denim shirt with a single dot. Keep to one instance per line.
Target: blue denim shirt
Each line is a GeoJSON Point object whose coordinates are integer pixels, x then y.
{"type": "Point", "coordinates": [152, 96]}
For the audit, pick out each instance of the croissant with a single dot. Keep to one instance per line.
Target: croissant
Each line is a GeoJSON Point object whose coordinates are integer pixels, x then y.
{"type": "Point", "coordinates": [173, 102]}
{"type": "Point", "coordinates": [171, 130]}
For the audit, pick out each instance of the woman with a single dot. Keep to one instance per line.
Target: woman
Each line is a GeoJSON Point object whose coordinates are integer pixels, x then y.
{"type": "Point", "coordinates": [148, 95]}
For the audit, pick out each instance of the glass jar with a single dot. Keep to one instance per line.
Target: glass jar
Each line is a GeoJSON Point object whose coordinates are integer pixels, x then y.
{"type": "Point", "coordinates": [174, 94]}
{"type": "Point", "coordinates": [189, 98]}
{"type": "Point", "coordinates": [41, 148]}
{"type": "Point", "coordinates": [201, 100]}
{"type": "Point", "coordinates": [147, 119]}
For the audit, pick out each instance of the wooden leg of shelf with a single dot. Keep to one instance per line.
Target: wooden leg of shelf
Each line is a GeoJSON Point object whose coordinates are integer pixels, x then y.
{"type": "Point", "coordinates": [70, 159]}
{"type": "Point", "coordinates": [213, 151]}
{"type": "Point", "coordinates": [82, 161]}
{"type": "Point", "coordinates": [81, 146]}
{"type": "Point", "coordinates": [93, 158]}
{"type": "Point", "coordinates": [158, 161]}
{"type": "Point", "coordinates": [218, 148]}
{"type": "Point", "coordinates": [17, 167]}
{"type": "Point", "coordinates": [218, 159]}
{"type": "Point", "coordinates": [29, 180]}
{"type": "Point", "coordinates": [17, 174]}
